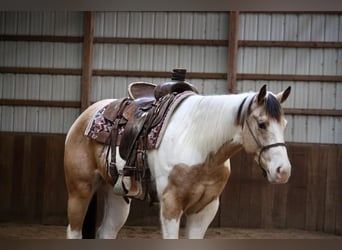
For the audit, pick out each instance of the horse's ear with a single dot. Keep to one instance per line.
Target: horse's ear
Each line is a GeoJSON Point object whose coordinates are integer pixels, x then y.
{"type": "Point", "coordinates": [282, 96]}
{"type": "Point", "coordinates": [261, 95]}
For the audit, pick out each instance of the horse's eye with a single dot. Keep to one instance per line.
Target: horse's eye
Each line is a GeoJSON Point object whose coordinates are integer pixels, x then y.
{"type": "Point", "coordinates": [262, 125]}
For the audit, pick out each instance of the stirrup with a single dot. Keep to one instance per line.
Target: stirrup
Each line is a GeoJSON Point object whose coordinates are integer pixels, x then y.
{"type": "Point", "coordinates": [119, 186]}
{"type": "Point", "coordinates": [125, 187]}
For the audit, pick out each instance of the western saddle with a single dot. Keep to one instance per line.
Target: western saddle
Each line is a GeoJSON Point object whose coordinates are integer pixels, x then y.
{"type": "Point", "coordinates": [133, 117]}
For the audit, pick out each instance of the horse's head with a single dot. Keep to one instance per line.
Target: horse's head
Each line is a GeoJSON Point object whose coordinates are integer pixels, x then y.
{"type": "Point", "coordinates": [263, 134]}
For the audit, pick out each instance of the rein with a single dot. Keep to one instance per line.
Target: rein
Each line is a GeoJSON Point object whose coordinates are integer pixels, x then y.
{"type": "Point", "coordinates": [262, 147]}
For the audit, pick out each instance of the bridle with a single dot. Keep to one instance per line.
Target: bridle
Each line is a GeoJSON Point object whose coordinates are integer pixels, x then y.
{"type": "Point", "coordinates": [262, 148]}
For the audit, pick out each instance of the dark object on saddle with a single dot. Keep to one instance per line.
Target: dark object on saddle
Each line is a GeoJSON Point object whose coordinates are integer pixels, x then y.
{"type": "Point", "coordinates": [135, 117]}
{"type": "Point", "coordinates": [177, 85]}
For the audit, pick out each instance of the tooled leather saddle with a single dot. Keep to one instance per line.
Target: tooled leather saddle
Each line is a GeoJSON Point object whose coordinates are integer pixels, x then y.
{"type": "Point", "coordinates": [133, 118]}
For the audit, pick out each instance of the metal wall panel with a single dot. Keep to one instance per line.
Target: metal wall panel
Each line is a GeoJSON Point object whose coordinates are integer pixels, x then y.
{"type": "Point", "coordinates": [38, 87]}
{"type": "Point", "coordinates": [175, 25]}
{"type": "Point", "coordinates": [148, 57]}
{"type": "Point", "coordinates": [289, 61]}
{"type": "Point", "coordinates": [161, 25]}
{"type": "Point", "coordinates": [290, 27]}
{"type": "Point", "coordinates": [194, 58]}
{"type": "Point", "coordinates": [40, 54]}
{"type": "Point", "coordinates": [42, 23]}
{"type": "Point", "coordinates": [305, 61]}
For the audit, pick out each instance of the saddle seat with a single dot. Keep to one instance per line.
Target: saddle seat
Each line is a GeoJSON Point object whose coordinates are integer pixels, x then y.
{"type": "Point", "coordinates": [138, 90]}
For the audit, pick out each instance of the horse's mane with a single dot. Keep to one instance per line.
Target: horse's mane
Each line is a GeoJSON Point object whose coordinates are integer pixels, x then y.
{"type": "Point", "coordinates": [244, 108]}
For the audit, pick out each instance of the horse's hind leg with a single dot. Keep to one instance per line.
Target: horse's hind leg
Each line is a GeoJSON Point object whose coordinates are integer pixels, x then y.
{"type": "Point", "coordinates": [197, 224]}
{"type": "Point", "coordinates": [116, 211]}
{"type": "Point", "coordinates": [78, 202]}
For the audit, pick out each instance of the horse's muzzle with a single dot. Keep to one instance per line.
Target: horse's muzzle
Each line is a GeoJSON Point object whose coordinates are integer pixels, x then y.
{"type": "Point", "coordinates": [281, 175]}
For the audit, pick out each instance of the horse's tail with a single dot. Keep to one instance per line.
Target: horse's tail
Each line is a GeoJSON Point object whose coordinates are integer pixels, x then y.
{"type": "Point", "coordinates": [89, 224]}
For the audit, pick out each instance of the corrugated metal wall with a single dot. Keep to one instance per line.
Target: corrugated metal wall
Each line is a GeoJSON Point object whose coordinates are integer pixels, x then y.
{"type": "Point", "coordinates": [148, 57]}
{"type": "Point", "coordinates": [305, 61]}
{"type": "Point", "coordinates": [40, 54]}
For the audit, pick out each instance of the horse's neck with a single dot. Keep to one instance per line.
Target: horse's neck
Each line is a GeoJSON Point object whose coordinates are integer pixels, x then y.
{"type": "Point", "coordinates": [210, 122]}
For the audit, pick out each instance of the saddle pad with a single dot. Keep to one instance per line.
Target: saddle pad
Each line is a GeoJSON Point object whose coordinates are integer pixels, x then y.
{"type": "Point", "coordinates": [155, 136]}
{"type": "Point", "coordinates": [99, 127]}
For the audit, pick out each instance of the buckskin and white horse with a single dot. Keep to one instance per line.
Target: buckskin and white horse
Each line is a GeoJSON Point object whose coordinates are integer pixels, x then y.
{"type": "Point", "coordinates": [191, 165]}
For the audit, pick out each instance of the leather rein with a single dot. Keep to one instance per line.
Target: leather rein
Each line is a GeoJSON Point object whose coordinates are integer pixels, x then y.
{"type": "Point", "coordinates": [263, 148]}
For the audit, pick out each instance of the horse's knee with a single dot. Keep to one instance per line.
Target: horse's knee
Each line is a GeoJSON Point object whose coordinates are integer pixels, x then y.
{"type": "Point", "coordinates": [171, 207]}
{"type": "Point", "coordinates": [170, 213]}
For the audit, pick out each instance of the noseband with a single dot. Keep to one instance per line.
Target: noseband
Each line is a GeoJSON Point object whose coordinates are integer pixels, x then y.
{"type": "Point", "coordinates": [263, 149]}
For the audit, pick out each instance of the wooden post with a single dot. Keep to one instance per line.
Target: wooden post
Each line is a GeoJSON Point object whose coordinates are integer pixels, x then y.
{"type": "Point", "coordinates": [89, 225]}
{"type": "Point", "coordinates": [232, 50]}
{"type": "Point", "coordinates": [87, 58]}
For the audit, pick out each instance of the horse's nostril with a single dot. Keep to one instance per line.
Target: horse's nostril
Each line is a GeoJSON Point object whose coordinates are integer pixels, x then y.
{"type": "Point", "coordinates": [278, 170]}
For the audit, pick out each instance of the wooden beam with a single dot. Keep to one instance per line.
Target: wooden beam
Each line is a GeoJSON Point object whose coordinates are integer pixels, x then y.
{"type": "Point", "coordinates": [159, 41]}
{"type": "Point", "coordinates": [114, 40]}
{"type": "Point", "coordinates": [41, 38]}
{"type": "Point", "coordinates": [289, 44]}
{"type": "Point", "coordinates": [162, 74]}
{"type": "Point", "coordinates": [291, 12]}
{"type": "Point", "coordinates": [199, 42]}
{"type": "Point", "coordinates": [46, 71]}
{"type": "Point", "coordinates": [88, 229]}
{"type": "Point", "coordinates": [232, 50]}
{"type": "Point", "coordinates": [315, 112]}
{"type": "Point", "coordinates": [189, 75]}
{"type": "Point", "coordinates": [76, 104]}
{"type": "Point", "coordinates": [40, 103]}
{"type": "Point", "coordinates": [87, 59]}
{"type": "Point", "coordinates": [278, 77]}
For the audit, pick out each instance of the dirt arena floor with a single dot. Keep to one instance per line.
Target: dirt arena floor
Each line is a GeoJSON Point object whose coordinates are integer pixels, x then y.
{"type": "Point", "coordinates": [15, 231]}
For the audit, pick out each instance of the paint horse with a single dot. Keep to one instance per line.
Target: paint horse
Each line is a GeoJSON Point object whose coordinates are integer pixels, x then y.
{"type": "Point", "coordinates": [191, 165]}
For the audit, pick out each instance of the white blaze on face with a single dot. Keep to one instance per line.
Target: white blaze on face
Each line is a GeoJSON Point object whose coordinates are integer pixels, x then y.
{"type": "Point", "coordinates": [276, 158]}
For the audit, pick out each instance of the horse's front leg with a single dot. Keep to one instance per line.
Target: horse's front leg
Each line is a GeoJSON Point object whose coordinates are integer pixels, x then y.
{"type": "Point", "coordinates": [198, 223]}
{"type": "Point", "coordinates": [170, 215]}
